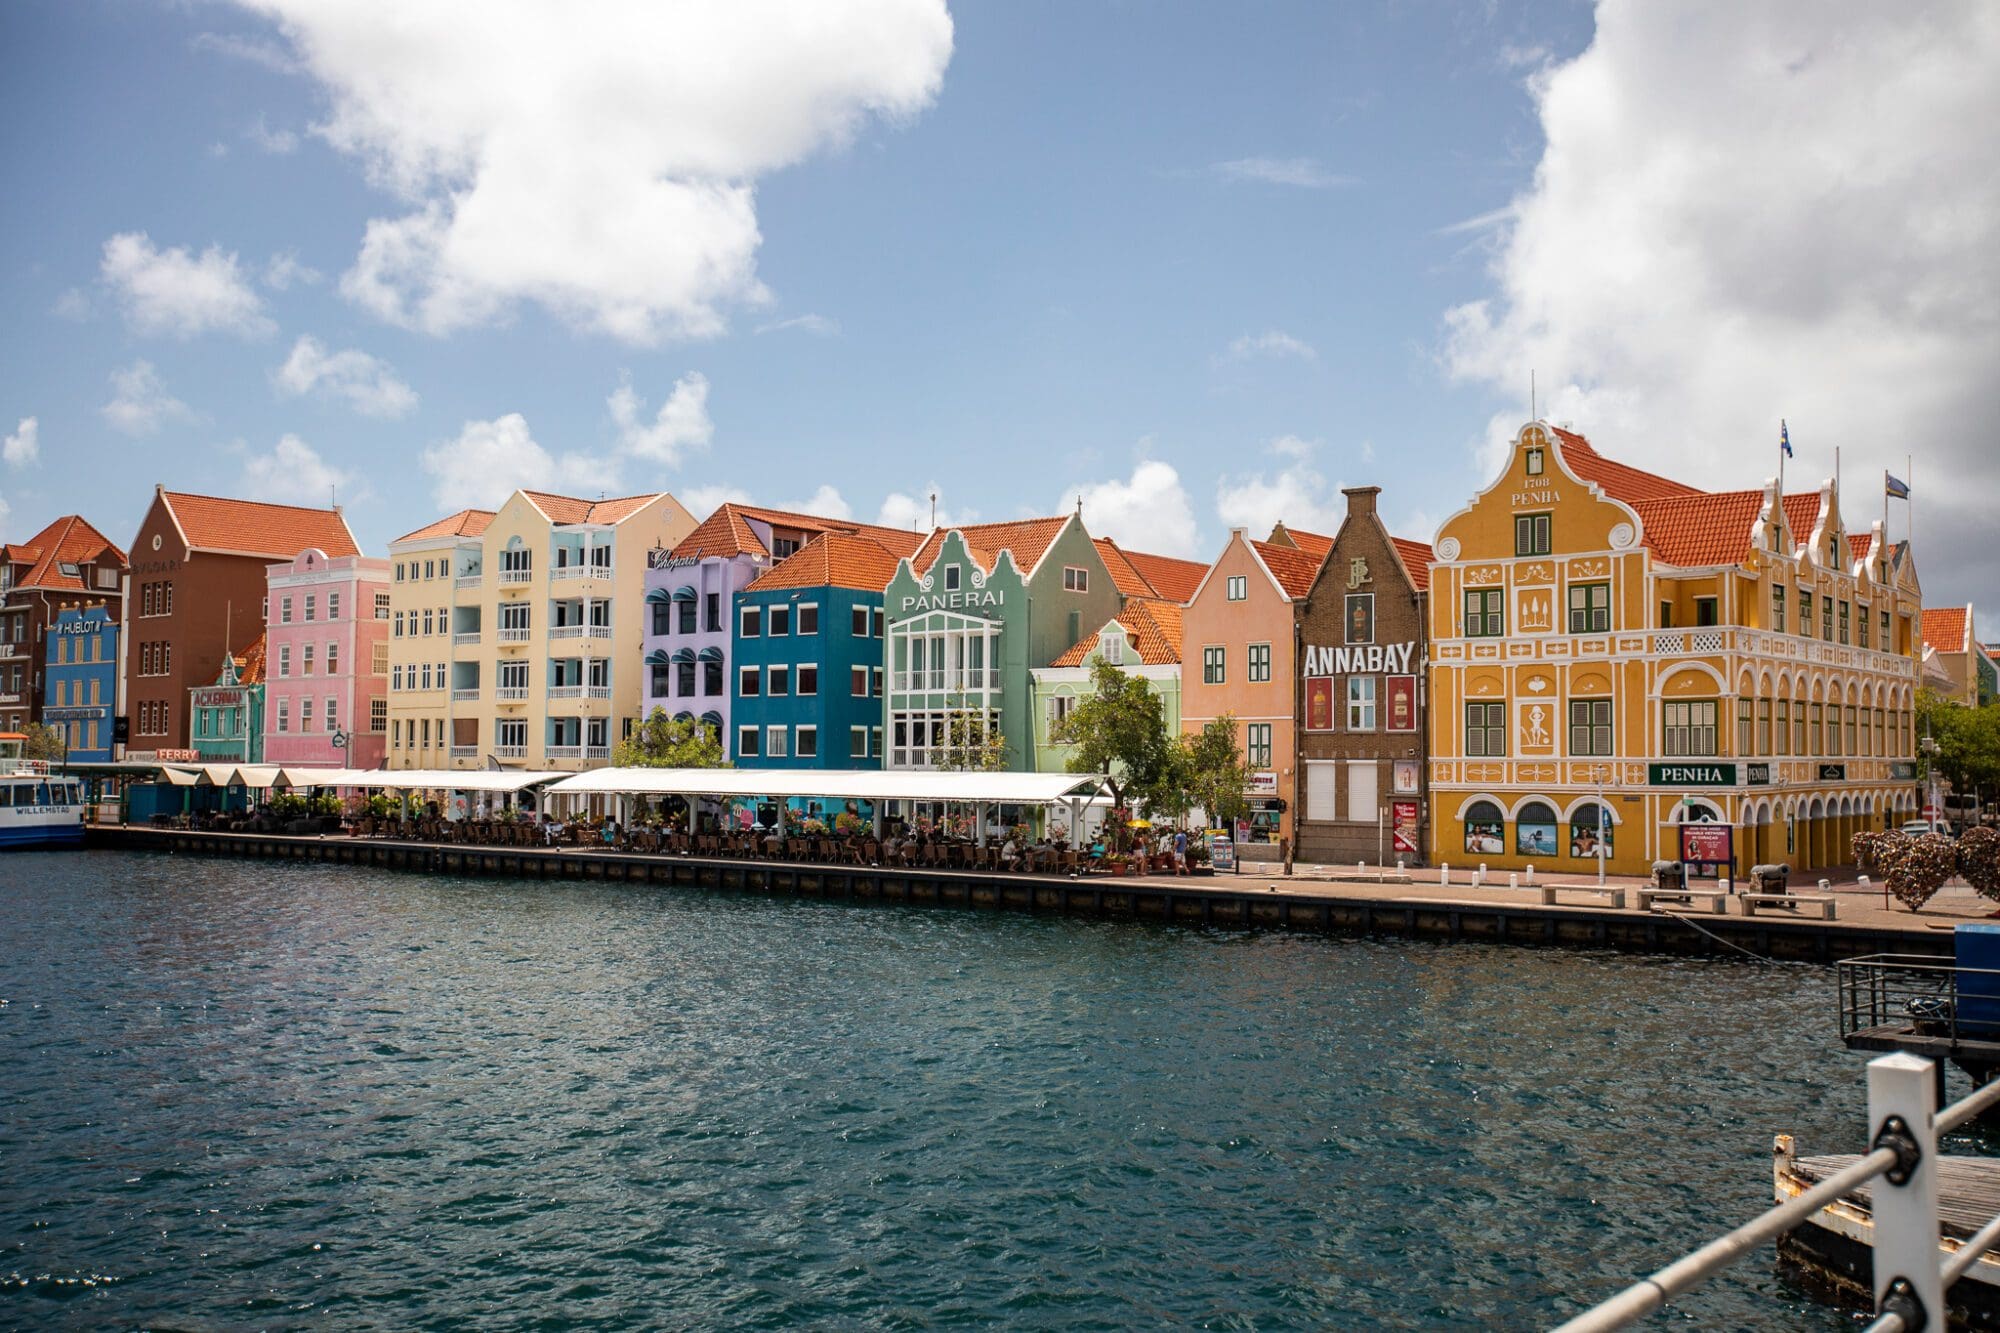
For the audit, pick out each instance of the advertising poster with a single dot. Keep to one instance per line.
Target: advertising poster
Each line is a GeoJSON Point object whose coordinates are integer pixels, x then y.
{"type": "Point", "coordinates": [1319, 703]}
{"type": "Point", "coordinates": [1361, 617]}
{"type": "Point", "coordinates": [1584, 834]}
{"type": "Point", "coordinates": [1534, 839]}
{"type": "Point", "coordinates": [1485, 837]}
{"type": "Point", "coordinates": [1402, 703]}
{"type": "Point", "coordinates": [1403, 831]}
{"type": "Point", "coordinates": [1406, 777]}
{"type": "Point", "coordinates": [1221, 851]}
{"type": "Point", "coordinates": [1708, 844]}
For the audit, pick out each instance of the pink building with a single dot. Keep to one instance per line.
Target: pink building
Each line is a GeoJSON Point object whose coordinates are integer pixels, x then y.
{"type": "Point", "coordinates": [326, 698]}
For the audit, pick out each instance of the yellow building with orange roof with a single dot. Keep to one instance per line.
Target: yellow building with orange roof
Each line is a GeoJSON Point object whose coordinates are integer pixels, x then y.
{"type": "Point", "coordinates": [1616, 655]}
{"type": "Point", "coordinates": [515, 633]}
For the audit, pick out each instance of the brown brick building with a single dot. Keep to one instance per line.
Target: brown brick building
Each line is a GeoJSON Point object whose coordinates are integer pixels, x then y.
{"type": "Point", "coordinates": [198, 580]}
{"type": "Point", "coordinates": [1361, 785]}
{"type": "Point", "coordinates": [68, 563]}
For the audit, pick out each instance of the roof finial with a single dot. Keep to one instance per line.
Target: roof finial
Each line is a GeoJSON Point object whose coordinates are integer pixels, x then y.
{"type": "Point", "coordinates": [933, 508]}
{"type": "Point", "coordinates": [1079, 506]}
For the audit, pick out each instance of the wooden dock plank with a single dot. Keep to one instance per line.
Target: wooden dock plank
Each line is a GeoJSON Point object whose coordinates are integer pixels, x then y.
{"type": "Point", "coordinates": [1968, 1188]}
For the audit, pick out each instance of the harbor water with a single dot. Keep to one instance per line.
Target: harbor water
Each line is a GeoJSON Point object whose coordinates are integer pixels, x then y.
{"type": "Point", "coordinates": [242, 1095]}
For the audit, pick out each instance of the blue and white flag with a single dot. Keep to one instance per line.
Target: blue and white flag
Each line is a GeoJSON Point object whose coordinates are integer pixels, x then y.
{"type": "Point", "coordinates": [1784, 438]}
{"type": "Point", "coordinates": [1898, 490]}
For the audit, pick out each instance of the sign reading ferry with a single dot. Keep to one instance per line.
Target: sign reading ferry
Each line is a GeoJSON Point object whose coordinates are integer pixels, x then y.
{"type": "Point", "coordinates": [1691, 775]}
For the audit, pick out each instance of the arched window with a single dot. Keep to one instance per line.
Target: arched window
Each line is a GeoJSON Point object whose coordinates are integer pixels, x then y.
{"type": "Point", "coordinates": [1485, 829]}
{"type": "Point", "coordinates": [1535, 829]}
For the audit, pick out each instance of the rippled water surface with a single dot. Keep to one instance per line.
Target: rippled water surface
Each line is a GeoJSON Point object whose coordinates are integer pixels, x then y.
{"type": "Point", "coordinates": [239, 1095]}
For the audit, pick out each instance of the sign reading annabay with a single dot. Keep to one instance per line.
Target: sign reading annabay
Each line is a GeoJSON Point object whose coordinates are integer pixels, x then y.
{"type": "Point", "coordinates": [1391, 657]}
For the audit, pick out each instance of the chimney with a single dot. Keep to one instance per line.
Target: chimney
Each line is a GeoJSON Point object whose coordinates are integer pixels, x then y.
{"type": "Point", "coordinates": [1360, 499]}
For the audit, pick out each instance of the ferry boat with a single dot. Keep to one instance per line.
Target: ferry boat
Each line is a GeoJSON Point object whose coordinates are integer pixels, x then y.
{"type": "Point", "coordinates": [38, 809]}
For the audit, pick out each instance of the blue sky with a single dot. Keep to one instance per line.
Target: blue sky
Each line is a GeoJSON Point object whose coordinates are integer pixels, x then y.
{"type": "Point", "coordinates": [1205, 263]}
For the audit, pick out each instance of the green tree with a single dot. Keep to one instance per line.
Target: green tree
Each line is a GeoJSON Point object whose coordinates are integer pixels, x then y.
{"type": "Point", "coordinates": [1212, 773]}
{"type": "Point", "coordinates": [973, 743]}
{"type": "Point", "coordinates": [1968, 742]}
{"type": "Point", "coordinates": [44, 742]}
{"type": "Point", "coordinates": [664, 742]}
{"type": "Point", "coordinates": [1119, 730]}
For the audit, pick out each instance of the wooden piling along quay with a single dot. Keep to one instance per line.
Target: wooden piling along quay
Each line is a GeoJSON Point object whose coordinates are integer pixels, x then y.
{"type": "Point", "coordinates": [1223, 902]}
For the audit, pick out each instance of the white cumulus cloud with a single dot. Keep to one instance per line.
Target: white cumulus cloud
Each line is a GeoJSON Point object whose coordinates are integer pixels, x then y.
{"type": "Point", "coordinates": [603, 168]}
{"type": "Point", "coordinates": [1148, 511]}
{"type": "Point", "coordinates": [293, 473]}
{"type": "Point", "coordinates": [140, 403]}
{"type": "Point", "coordinates": [681, 424]}
{"type": "Point", "coordinates": [1747, 212]}
{"type": "Point", "coordinates": [176, 292]}
{"type": "Point", "coordinates": [364, 383]}
{"type": "Point", "coordinates": [1275, 343]}
{"type": "Point", "coordinates": [489, 460]}
{"type": "Point", "coordinates": [1296, 493]}
{"type": "Point", "coordinates": [24, 446]}
{"type": "Point", "coordinates": [284, 270]}
{"type": "Point", "coordinates": [1300, 172]}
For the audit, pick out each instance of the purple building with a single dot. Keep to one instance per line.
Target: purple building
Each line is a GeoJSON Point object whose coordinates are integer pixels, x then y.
{"type": "Point", "coordinates": [691, 602]}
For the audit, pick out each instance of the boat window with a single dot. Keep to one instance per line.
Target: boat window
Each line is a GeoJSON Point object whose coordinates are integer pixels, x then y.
{"type": "Point", "coordinates": [41, 793]}
{"type": "Point", "coordinates": [6, 794]}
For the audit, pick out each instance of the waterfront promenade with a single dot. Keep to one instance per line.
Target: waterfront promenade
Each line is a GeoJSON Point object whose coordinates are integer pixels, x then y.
{"type": "Point", "coordinates": [1313, 898]}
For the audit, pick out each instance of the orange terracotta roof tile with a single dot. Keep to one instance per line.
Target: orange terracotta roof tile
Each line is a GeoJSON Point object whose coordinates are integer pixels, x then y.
{"type": "Point", "coordinates": [832, 560]}
{"type": "Point", "coordinates": [253, 527]}
{"type": "Point", "coordinates": [727, 532]}
{"type": "Point", "coordinates": [1291, 567]}
{"type": "Point", "coordinates": [1028, 539]}
{"type": "Point", "coordinates": [465, 523]}
{"type": "Point", "coordinates": [1619, 480]}
{"type": "Point", "coordinates": [1125, 575]}
{"type": "Point", "coordinates": [1417, 558]}
{"type": "Point", "coordinates": [250, 663]}
{"type": "Point", "coordinates": [1948, 628]}
{"type": "Point", "coordinates": [1691, 531]}
{"type": "Point", "coordinates": [70, 540]}
{"type": "Point", "coordinates": [1317, 545]}
{"type": "Point", "coordinates": [1176, 579]}
{"type": "Point", "coordinates": [563, 509]}
{"type": "Point", "coordinates": [1151, 625]}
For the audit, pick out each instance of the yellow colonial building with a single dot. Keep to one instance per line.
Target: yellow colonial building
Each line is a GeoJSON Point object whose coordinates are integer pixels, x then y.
{"type": "Point", "coordinates": [1615, 655]}
{"type": "Point", "coordinates": [514, 634]}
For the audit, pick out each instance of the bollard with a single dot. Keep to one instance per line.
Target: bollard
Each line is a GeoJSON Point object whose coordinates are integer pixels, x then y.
{"type": "Point", "coordinates": [1513, 880]}
{"type": "Point", "coordinates": [1444, 873]}
{"type": "Point", "coordinates": [1399, 865]}
{"type": "Point", "coordinates": [1360, 867]}
{"type": "Point", "coordinates": [1531, 877]}
{"type": "Point", "coordinates": [1723, 884]}
{"type": "Point", "coordinates": [1863, 881]}
{"type": "Point", "coordinates": [1825, 885]}
{"type": "Point", "coordinates": [1479, 877]}
{"type": "Point", "coordinates": [1902, 1101]}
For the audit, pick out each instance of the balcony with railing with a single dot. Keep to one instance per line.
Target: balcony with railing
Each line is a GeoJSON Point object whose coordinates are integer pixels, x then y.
{"type": "Point", "coordinates": [565, 692]}
{"type": "Point", "coordinates": [517, 635]}
{"type": "Point", "coordinates": [510, 694]}
{"type": "Point", "coordinates": [510, 752]}
{"type": "Point", "coordinates": [466, 638]}
{"type": "Point", "coordinates": [465, 752]}
{"type": "Point", "coordinates": [469, 579]}
{"type": "Point", "coordinates": [563, 573]}
{"type": "Point", "coordinates": [470, 696]}
{"type": "Point", "coordinates": [967, 678]}
{"type": "Point", "coordinates": [596, 752]}
{"type": "Point", "coordinates": [564, 752]}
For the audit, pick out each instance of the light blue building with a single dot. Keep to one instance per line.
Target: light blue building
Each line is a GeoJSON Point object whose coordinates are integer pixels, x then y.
{"type": "Point", "coordinates": [80, 680]}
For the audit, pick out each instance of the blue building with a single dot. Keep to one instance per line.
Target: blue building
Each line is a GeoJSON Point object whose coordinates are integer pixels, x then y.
{"type": "Point", "coordinates": [80, 680]}
{"type": "Point", "coordinates": [807, 652]}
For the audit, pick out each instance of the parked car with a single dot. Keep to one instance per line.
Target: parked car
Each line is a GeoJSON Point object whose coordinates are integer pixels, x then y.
{"type": "Point", "coordinates": [1916, 828]}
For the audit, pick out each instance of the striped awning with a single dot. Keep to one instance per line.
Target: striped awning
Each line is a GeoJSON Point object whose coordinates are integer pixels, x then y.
{"type": "Point", "coordinates": [711, 654]}
{"type": "Point", "coordinates": [684, 593]}
{"type": "Point", "coordinates": [683, 654]}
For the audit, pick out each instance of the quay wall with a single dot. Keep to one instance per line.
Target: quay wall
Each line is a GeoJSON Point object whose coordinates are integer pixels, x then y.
{"type": "Point", "coordinates": [1247, 902]}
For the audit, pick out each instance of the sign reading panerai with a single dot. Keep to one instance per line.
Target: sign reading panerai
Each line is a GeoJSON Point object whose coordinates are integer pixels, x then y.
{"type": "Point", "coordinates": [1691, 775]}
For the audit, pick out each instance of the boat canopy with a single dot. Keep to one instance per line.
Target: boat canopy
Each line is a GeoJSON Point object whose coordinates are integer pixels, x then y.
{"type": "Point", "coordinates": [856, 784]}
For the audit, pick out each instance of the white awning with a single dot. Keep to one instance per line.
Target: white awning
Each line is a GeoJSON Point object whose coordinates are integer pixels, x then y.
{"type": "Point", "coordinates": [258, 776]}
{"type": "Point", "coordinates": [855, 784]}
{"type": "Point", "coordinates": [423, 779]}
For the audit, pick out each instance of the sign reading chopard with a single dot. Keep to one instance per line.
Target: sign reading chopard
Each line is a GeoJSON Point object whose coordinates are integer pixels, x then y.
{"type": "Point", "coordinates": [1393, 658]}
{"type": "Point", "coordinates": [1691, 775]}
{"type": "Point", "coordinates": [954, 601]}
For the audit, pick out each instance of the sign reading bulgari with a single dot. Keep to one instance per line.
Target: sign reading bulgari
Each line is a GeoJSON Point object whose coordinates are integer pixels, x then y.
{"type": "Point", "coordinates": [1371, 657]}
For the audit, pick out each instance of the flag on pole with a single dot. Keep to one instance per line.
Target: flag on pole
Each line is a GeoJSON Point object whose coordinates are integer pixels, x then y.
{"type": "Point", "coordinates": [1898, 490]}
{"type": "Point", "coordinates": [1784, 438]}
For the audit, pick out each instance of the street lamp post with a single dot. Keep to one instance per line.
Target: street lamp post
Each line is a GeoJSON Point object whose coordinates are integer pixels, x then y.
{"type": "Point", "coordinates": [1603, 819]}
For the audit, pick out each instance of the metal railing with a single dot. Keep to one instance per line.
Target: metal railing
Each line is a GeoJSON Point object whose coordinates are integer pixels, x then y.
{"type": "Point", "coordinates": [1920, 996]}
{"type": "Point", "coordinates": [1910, 1280]}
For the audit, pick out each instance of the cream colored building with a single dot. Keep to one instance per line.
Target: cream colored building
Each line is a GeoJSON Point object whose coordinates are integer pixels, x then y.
{"type": "Point", "coordinates": [514, 634]}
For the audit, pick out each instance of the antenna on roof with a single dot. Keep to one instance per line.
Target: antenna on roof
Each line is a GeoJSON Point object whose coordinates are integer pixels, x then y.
{"type": "Point", "coordinates": [1531, 396]}
{"type": "Point", "coordinates": [933, 508]}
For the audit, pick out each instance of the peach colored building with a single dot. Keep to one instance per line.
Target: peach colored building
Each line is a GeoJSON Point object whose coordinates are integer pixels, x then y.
{"type": "Point", "coordinates": [326, 683]}
{"type": "Point", "coordinates": [1238, 655]}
